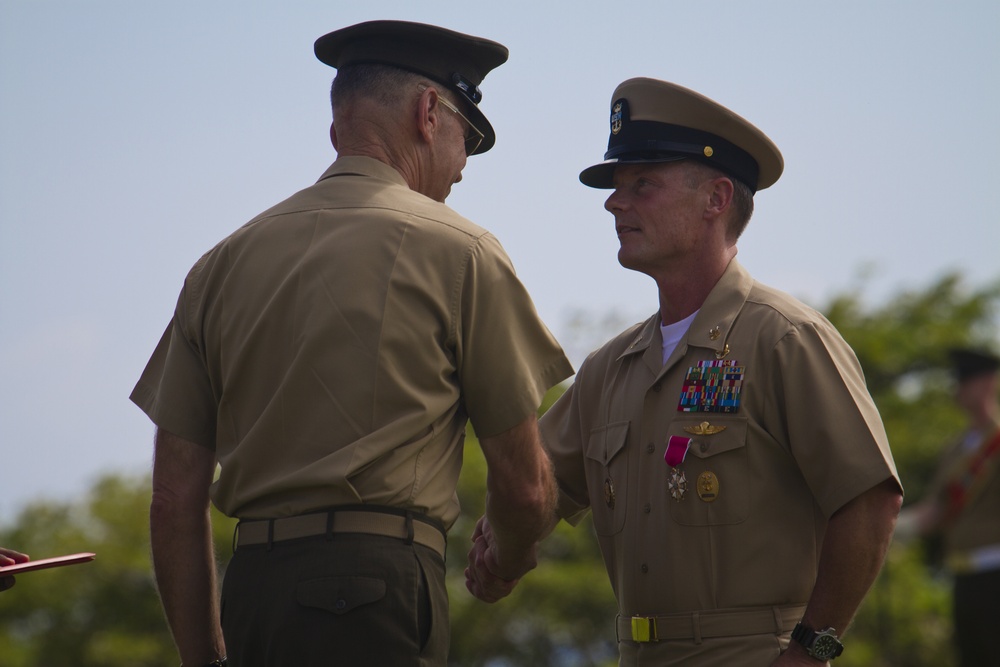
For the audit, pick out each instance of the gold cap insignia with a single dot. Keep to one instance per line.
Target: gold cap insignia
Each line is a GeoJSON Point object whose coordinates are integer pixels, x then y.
{"type": "Point", "coordinates": [616, 116]}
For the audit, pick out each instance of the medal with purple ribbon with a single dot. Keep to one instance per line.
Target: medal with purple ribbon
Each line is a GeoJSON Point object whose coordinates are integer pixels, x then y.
{"type": "Point", "coordinates": [677, 449]}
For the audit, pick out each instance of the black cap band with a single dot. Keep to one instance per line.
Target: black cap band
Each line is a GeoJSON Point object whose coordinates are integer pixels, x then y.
{"type": "Point", "coordinates": [648, 141]}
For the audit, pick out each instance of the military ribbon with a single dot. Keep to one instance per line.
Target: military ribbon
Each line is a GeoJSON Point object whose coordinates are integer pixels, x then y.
{"type": "Point", "coordinates": [677, 449]}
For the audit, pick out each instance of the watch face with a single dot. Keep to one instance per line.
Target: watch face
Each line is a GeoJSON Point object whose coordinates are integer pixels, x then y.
{"type": "Point", "coordinates": [825, 647]}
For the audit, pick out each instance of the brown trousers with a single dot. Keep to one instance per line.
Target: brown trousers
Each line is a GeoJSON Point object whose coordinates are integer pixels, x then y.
{"type": "Point", "coordinates": [347, 600]}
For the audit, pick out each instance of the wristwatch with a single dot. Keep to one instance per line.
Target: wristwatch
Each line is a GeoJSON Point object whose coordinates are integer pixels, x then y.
{"type": "Point", "coordinates": [820, 644]}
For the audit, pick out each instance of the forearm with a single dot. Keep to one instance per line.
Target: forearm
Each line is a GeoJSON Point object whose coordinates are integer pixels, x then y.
{"type": "Point", "coordinates": [854, 548]}
{"type": "Point", "coordinates": [520, 498]}
{"type": "Point", "coordinates": [183, 555]}
{"type": "Point", "coordinates": [184, 567]}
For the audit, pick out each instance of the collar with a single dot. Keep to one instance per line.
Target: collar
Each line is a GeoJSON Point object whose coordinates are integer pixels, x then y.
{"type": "Point", "coordinates": [358, 165]}
{"type": "Point", "coordinates": [710, 329]}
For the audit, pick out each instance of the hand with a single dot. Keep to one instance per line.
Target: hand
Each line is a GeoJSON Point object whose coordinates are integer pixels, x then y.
{"type": "Point", "coordinates": [10, 557]}
{"type": "Point", "coordinates": [480, 577]}
{"type": "Point", "coordinates": [796, 656]}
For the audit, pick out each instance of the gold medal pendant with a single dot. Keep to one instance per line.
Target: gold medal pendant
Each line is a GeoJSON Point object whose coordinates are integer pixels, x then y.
{"type": "Point", "coordinates": [708, 487]}
{"type": "Point", "coordinates": [677, 484]}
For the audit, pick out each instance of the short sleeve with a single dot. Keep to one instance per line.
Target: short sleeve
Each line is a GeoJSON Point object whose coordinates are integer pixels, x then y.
{"type": "Point", "coordinates": [175, 390]}
{"type": "Point", "coordinates": [835, 432]}
{"type": "Point", "coordinates": [507, 359]}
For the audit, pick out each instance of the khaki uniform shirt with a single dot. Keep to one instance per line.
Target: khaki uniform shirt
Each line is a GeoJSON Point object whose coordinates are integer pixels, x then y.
{"type": "Point", "coordinates": [977, 524]}
{"type": "Point", "coordinates": [801, 437]}
{"type": "Point", "coordinates": [332, 350]}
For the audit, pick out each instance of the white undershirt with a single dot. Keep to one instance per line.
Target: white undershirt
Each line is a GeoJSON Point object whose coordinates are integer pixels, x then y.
{"type": "Point", "coordinates": [673, 333]}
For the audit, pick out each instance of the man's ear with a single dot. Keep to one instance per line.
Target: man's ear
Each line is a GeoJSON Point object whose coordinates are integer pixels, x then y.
{"type": "Point", "coordinates": [333, 136]}
{"type": "Point", "coordinates": [427, 115]}
{"type": "Point", "coordinates": [720, 197]}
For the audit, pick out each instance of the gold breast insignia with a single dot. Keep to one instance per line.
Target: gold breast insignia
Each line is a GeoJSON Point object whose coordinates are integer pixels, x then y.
{"type": "Point", "coordinates": [704, 428]}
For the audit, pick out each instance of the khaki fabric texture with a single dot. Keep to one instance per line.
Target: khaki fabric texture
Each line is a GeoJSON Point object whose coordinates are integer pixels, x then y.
{"type": "Point", "coordinates": [805, 440]}
{"type": "Point", "coordinates": [332, 350]}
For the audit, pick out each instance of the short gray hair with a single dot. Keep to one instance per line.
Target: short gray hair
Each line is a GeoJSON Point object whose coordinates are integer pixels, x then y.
{"type": "Point", "coordinates": [742, 206]}
{"type": "Point", "coordinates": [383, 84]}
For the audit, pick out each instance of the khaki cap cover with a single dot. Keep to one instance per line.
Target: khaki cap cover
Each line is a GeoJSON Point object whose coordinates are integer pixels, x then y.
{"type": "Point", "coordinates": [659, 121]}
{"type": "Point", "coordinates": [458, 61]}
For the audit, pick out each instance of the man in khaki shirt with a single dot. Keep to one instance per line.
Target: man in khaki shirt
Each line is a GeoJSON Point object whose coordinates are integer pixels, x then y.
{"type": "Point", "coordinates": [328, 356]}
{"type": "Point", "coordinates": [962, 508]}
{"type": "Point", "coordinates": [736, 467]}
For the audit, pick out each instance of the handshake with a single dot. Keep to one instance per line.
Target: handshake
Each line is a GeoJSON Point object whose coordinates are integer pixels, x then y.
{"type": "Point", "coordinates": [492, 574]}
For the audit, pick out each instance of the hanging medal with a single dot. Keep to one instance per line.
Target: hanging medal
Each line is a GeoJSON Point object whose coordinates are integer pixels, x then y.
{"type": "Point", "coordinates": [677, 448]}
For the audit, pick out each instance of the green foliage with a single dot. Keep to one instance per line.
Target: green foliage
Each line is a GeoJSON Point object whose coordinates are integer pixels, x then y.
{"type": "Point", "coordinates": [902, 347]}
{"type": "Point", "coordinates": [99, 614]}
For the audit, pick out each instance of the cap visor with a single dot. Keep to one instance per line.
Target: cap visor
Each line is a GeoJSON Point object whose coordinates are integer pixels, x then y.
{"type": "Point", "coordinates": [602, 175]}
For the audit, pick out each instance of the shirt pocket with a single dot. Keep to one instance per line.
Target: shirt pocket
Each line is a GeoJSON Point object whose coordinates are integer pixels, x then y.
{"type": "Point", "coordinates": [607, 476]}
{"type": "Point", "coordinates": [717, 472]}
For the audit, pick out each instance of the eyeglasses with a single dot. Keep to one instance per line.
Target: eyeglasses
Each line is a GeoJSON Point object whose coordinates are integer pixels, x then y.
{"type": "Point", "coordinates": [472, 139]}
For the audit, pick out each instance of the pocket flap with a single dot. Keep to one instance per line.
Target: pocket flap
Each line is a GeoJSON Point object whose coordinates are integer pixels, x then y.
{"type": "Point", "coordinates": [607, 441]}
{"type": "Point", "coordinates": [339, 594]}
{"type": "Point", "coordinates": [732, 436]}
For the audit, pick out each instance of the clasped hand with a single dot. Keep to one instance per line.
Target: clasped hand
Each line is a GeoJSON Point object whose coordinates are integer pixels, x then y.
{"type": "Point", "coordinates": [482, 576]}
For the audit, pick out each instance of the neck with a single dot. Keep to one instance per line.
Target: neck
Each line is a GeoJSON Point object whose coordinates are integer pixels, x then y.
{"type": "Point", "coordinates": [683, 291]}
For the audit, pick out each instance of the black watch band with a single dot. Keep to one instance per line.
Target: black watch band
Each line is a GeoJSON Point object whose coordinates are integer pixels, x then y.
{"type": "Point", "coordinates": [819, 644]}
{"type": "Point", "coordinates": [221, 662]}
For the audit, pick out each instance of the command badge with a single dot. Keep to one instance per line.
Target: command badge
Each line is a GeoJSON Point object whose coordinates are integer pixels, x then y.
{"type": "Point", "coordinates": [708, 487]}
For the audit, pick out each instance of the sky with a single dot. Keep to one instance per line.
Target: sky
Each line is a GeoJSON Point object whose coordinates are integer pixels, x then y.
{"type": "Point", "coordinates": [135, 135]}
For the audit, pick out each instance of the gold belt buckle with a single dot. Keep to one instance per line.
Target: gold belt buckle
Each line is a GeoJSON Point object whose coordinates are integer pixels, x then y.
{"type": "Point", "coordinates": [643, 629]}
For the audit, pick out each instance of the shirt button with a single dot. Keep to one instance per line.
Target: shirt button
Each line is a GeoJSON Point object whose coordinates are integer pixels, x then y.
{"type": "Point", "coordinates": [650, 448]}
{"type": "Point", "coordinates": [341, 603]}
{"type": "Point", "coordinates": [658, 386]}
{"type": "Point", "coordinates": [703, 447]}
{"type": "Point", "coordinates": [647, 508]}
{"type": "Point", "coordinates": [644, 568]}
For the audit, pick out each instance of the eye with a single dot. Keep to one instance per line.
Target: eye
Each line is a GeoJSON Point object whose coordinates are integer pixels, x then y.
{"type": "Point", "coordinates": [639, 184]}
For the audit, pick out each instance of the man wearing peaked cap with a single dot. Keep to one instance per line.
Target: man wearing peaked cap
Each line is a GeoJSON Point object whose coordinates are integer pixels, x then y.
{"type": "Point", "coordinates": [741, 485]}
{"type": "Point", "coordinates": [328, 355]}
{"type": "Point", "coordinates": [961, 509]}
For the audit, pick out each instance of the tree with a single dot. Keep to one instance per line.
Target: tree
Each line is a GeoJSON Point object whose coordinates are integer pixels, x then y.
{"type": "Point", "coordinates": [104, 613]}
{"type": "Point", "coordinates": [902, 346]}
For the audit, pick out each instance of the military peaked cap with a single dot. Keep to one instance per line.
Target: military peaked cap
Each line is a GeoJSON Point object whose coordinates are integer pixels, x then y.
{"type": "Point", "coordinates": [659, 121]}
{"type": "Point", "coordinates": [457, 61]}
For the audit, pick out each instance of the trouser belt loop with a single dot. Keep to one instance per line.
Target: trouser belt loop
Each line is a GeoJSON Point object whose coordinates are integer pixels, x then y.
{"type": "Point", "coordinates": [270, 534]}
{"type": "Point", "coordinates": [696, 627]}
{"type": "Point", "coordinates": [236, 536]}
{"type": "Point", "coordinates": [329, 524]}
{"type": "Point", "coordinates": [409, 528]}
